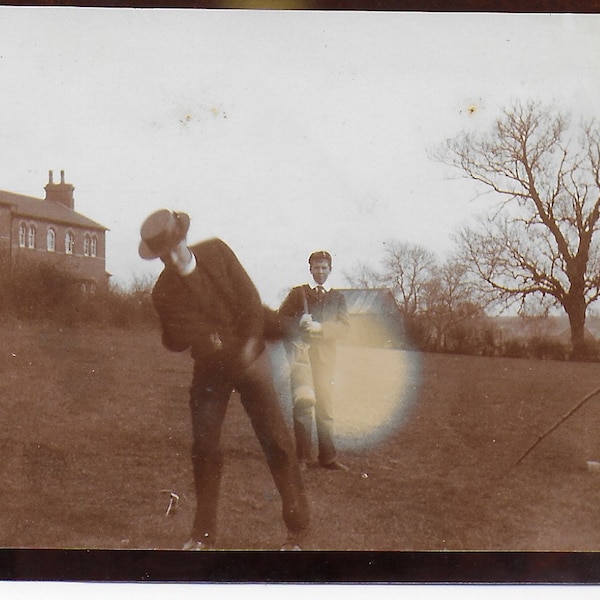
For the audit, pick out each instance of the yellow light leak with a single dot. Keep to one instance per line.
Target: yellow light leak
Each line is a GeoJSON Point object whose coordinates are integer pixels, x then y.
{"type": "Point", "coordinates": [374, 389]}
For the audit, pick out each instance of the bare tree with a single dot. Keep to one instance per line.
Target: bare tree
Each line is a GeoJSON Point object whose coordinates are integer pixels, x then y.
{"type": "Point", "coordinates": [407, 269]}
{"type": "Point", "coordinates": [541, 238]}
{"type": "Point", "coordinates": [363, 276]}
{"type": "Point", "coordinates": [451, 298]}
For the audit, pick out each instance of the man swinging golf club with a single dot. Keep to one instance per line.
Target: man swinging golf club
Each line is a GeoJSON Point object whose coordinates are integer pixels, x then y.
{"type": "Point", "coordinates": [206, 302]}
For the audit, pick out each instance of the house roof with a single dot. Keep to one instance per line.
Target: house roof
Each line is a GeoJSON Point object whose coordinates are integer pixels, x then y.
{"type": "Point", "coordinates": [48, 210]}
{"type": "Point", "coordinates": [370, 301]}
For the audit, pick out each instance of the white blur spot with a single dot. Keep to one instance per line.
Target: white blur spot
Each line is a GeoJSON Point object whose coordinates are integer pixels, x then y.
{"type": "Point", "coordinates": [375, 387]}
{"type": "Point", "coordinates": [374, 390]}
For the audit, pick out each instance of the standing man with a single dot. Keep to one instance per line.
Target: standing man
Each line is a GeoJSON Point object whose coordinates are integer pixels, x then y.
{"type": "Point", "coordinates": [207, 302]}
{"type": "Point", "coordinates": [325, 323]}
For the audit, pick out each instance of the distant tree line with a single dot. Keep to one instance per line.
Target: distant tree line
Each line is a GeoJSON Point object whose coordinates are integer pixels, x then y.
{"type": "Point", "coordinates": [441, 309]}
{"type": "Point", "coordinates": [44, 292]}
{"type": "Point", "coordinates": [444, 309]}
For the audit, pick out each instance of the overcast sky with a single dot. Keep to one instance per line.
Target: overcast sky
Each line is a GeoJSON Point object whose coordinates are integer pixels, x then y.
{"type": "Point", "coordinates": [280, 132]}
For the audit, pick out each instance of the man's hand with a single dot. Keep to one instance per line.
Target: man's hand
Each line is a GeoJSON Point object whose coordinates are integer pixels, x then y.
{"type": "Point", "coordinates": [305, 321]}
{"type": "Point", "coordinates": [314, 328]}
{"type": "Point", "coordinates": [309, 326]}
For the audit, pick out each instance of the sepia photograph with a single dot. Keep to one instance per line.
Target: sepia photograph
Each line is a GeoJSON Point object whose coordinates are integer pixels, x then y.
{"type": "Point", "coordinates": [300, 280]}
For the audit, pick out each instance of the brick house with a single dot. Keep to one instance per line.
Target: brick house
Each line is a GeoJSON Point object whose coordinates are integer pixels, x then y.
{"type": "Point", "coordinates": [49, 229]}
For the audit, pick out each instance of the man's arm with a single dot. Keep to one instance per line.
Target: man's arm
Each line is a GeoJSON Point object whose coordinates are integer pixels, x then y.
{"type": "Point", "coordinates": [230, 286]}
{"type": "Point", "coordinates": [274, 324]}
{"type": "Point", "coordinates": [290, 311]}
{"type": "Point", "coordinates": [248, 306]}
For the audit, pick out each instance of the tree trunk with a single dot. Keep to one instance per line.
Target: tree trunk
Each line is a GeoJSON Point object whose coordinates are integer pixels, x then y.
{"type": "Point", "coordinates": [576, 312]}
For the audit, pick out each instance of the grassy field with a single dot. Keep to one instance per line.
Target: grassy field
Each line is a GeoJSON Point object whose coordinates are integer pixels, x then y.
{"type": "Point", "coordinates": [96, 427]}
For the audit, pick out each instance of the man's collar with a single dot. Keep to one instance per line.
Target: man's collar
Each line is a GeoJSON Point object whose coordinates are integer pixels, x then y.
{"type": "Point", "coordinates": [326, 287]}
{"type": "Point", "coordinates": [191, 266]}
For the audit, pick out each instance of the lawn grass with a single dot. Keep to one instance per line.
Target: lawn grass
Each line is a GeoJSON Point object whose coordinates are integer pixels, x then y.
{"type": "Point", "coordinates": [96, 426]}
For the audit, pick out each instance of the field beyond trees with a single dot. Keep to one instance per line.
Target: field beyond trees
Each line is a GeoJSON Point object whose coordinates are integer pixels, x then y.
{"type": "Point", "coordinates": [96, 432]}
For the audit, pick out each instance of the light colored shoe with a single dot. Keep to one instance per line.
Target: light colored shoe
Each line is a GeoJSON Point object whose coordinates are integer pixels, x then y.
{"type": "Point", "coordinates": [293, 541]}
{"type": "Point", "coordinates": [290, 545]}
{"type": "Point", "coordinates": [196, 545]}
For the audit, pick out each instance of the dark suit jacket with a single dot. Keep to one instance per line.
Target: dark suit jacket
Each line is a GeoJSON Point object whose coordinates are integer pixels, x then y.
{"type": "Point", "coordinates": [218, 297]}
{"type": "Point", "coordinates": [331, 312]}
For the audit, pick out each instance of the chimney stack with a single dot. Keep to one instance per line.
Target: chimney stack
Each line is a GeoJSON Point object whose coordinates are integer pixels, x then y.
{"type": "Point", "coordinates": [60, 192]}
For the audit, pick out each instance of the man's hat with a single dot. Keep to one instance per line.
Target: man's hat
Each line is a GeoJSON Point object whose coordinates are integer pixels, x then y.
{"type": "Point", "coordinates": [161, 231]}
{"type": "Point", "coordinates": [319, 254]}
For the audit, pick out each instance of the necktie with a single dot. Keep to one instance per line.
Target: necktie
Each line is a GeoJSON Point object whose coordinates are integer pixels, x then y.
{"type": "Point", "coordinates": [320, 292]}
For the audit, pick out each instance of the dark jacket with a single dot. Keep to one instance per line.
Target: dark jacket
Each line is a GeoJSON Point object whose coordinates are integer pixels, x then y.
{"type": "Point", "coordinates": [331, 312]}
{"type": "Point", "coordinates": [217, 299]}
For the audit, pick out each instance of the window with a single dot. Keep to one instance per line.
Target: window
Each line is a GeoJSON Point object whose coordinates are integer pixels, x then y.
{"type": "Point", "coordinates": [90, 245]}
{"type": "Point", "coordinates": [87, 288]}
{"type": "Point", "coordinates": [22, 235]}
{"type": "Point", "coordinates": [69, 242]}
{"type": "Point", "coordinates": [94, 246]}
{"type": "Point", "coordinates": [31, 236]}
{"type": "Point", "coordinates": [51, 240]}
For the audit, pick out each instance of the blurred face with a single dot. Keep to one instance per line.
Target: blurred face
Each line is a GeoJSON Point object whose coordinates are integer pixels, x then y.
{"type": "Point", "coordinates": [320, 270]}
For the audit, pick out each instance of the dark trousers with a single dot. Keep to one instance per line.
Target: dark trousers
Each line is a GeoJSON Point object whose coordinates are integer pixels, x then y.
{"type": "Point", "coordinates": [323, 410]}
{"type": "Point", "coordinates": [209, 396]}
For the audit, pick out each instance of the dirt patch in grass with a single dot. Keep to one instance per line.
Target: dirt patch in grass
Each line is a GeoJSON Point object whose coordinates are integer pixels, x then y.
{"type": "Point", "coordinates": [96, 432]}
